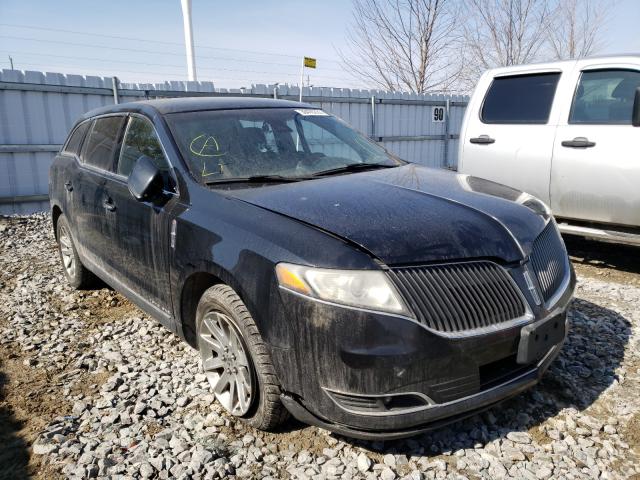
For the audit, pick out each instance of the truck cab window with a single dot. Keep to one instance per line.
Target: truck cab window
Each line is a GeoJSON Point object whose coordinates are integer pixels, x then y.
{"type": "Point", "coordinates": [522, 99]}
{"type": "Point", "coordinates": [605, 97]}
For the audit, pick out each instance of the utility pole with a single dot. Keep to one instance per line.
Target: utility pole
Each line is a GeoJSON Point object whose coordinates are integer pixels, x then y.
{"type": "Point", "coordinates": [188, 40]}
{"type": "Point", "coordinates": [11, 62]}
{"type": "Point", "coordinates": [306, 62]}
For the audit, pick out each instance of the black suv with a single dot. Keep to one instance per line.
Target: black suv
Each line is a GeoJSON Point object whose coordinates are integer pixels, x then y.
{"type": "Point", "coordinates": [316, 273]}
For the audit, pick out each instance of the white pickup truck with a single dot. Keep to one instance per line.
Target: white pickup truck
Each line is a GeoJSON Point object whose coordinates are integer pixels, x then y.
{"type": "Point", "coordinates": [566, 132]}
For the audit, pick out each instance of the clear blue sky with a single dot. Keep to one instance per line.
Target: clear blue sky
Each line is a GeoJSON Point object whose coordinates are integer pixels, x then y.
{"type": "Point", "coordinates": [237, 43]}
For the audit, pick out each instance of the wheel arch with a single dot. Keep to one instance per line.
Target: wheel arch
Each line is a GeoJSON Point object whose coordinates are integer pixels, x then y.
{"type": "Point", "coordinates": [195, 283]}
{"type": "Point", "coordinates": [56, 211]}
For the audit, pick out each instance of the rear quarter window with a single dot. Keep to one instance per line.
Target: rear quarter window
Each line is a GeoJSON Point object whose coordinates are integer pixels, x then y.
{"type": "Point", "coordinates": [101, 145]}
{"type": "Point", "coordinates": [520, 99]}
{"type": "Point", "coordinates": [74, 143]}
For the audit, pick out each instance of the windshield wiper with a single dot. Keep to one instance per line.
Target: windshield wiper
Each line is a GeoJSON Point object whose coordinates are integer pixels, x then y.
{"type": "Point", "coordinates": [256, 179]}
{"type": "Point", "coordinates": [354, 167]}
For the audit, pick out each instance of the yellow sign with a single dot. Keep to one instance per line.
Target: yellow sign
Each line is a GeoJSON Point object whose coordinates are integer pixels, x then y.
{"type": "Point", "coordinates": [309, 62]}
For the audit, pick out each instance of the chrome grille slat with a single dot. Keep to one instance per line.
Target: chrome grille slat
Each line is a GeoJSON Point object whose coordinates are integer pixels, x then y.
{"type": "Point", "coordinates": [460, 296]}
{"type": "Point", "coordinates": [549, 260]}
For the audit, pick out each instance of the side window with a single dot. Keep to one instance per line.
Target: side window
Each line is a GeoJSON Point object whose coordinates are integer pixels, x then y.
{"type": "Point", "coordinates": [605, 97]}
{"type": "Point", "coordinates": [74, 143]}
{"type": "Point", "coordinates": [523, 99]}
{"type": "Point", "coordinates": [101, 144]}
{"type": "Point", "coordinates": [140, 139]}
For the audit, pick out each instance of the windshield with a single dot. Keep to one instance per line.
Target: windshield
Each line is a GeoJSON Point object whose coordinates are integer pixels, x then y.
{"type": "Point", "coordinates": [283, 142]}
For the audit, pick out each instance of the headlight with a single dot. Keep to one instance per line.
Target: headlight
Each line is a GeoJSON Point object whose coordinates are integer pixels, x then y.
{"type": "Point", "coordinates": [368, 289]}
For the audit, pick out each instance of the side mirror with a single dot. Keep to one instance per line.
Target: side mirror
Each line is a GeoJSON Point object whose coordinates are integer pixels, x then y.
{"type": "Point", "coordinates": [145, 180]}
{"type": "Point", "coordinates": [635, 116]}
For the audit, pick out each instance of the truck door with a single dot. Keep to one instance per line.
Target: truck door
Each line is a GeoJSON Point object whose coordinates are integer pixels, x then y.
{"type": "Point", "coordinates": [510, 130]}
{"type": "Point", "coordinates": [596, 169]}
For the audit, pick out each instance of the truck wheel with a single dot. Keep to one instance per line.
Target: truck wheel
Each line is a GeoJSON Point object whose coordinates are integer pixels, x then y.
{"type": "Point", "coordinates": [236, 360]}
{"type": "Point", "coordinates": [77, 274]}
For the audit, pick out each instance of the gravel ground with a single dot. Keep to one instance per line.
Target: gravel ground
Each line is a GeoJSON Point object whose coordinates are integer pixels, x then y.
{"type": "Point", "coordinates": [90, 387]}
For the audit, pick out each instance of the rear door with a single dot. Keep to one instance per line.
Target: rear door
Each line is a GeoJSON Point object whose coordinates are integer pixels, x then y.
{"type": "Point", "coordinates": [66, 174]}
{"type": "Point", "coordinates": [139, 231]}
{"type": "Point", "coordinates": [91, 210]}
{"type": "Point", "coordinates": [510, 130]}
{"type": "Point", "coordinates": [596, 167]}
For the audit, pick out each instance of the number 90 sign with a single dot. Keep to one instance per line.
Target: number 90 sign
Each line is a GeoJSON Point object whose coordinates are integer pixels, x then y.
{"type": "Point", "coordinates": [438, 114]}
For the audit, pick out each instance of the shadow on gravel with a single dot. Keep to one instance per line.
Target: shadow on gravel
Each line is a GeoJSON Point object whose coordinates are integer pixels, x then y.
{"type": "Point", "coordinates": [584, 369]}
{"type": "Point", "coordinates": [600, 254]}
{"type": "Point", "coordinates": [14, 451]}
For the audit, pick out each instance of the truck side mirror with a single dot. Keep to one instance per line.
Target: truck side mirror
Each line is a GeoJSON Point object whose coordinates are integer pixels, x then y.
{"type": "Point", "coordinates": [145, 180]}
{"type": "Point", "coordinates": [635, 116]}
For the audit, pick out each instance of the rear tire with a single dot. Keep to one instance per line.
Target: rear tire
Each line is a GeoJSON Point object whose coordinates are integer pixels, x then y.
{"type": "Point", "coordinates": [232, 351]}
{"type": "Point", "coordinates": [77, 274]}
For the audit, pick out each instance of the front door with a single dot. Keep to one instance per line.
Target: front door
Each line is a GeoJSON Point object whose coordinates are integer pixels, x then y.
{"type": "Point", "coordinates": [510, 139]}
{"type": "Point", "coordinates": [140, 230]}
{"type": "Point", "coordinates": [596, 168]}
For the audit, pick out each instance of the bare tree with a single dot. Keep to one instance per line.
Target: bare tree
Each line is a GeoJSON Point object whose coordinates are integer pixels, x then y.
{"type": "Point", "coordinates": [407, 45]}
{"type": "Point", "coordinates": [576, 27]}
{"type": "Point", "coordinates": [504, 32]}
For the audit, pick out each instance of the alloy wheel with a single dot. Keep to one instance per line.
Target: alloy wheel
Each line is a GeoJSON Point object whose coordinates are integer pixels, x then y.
{"type": "Point", "coordinates": [66, 250]}
{"type": "Point", "coordinates": [226, 363]}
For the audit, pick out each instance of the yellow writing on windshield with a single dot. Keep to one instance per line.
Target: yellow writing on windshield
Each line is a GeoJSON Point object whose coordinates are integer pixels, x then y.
{"type": "Point", "coordinates": [208, 147]}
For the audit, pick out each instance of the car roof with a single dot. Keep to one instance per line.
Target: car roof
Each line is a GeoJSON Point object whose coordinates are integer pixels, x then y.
{"type": "Point", "coordinates": [195, 104]}
{"type": "Point", "coordinates": [562, 64]}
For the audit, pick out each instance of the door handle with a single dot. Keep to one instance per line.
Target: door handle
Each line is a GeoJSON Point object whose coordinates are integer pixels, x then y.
{"type": "Point", "coordinates": [578, 142]}
{"type": "Point", "coordinates": [68, 186]}
{"type": "Point", "coordinates": [109, 205]}
{"type": "Point", "coordinates": [482, 140]}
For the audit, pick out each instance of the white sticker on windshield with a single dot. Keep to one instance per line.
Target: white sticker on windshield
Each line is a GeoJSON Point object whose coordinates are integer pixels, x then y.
{"type": "Point", "coordinates": [308, 112]}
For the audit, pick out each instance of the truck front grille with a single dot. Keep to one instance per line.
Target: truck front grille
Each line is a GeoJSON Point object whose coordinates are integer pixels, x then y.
{"type": "Point", "coordinates": [460, 296]}
{"type": "Point", "coordinates": [549, 260]}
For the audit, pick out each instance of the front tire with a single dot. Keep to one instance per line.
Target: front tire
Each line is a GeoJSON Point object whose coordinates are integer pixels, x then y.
{"type": "Point", "coordinates": [236, 360]}
{"type": "Point", "coordinates": [77, 274]}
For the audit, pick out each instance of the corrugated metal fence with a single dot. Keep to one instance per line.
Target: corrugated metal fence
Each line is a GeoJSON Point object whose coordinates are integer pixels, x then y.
{"type": "Point", "coordinates": [37, 110]}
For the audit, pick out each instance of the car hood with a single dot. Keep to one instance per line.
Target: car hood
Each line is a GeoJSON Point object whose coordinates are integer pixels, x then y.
{"type": "Point", "coordinates": [409, 214]}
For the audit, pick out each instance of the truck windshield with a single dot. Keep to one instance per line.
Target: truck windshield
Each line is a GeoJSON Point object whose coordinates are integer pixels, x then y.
{"type": "Point", "coordinates": [285, 143]}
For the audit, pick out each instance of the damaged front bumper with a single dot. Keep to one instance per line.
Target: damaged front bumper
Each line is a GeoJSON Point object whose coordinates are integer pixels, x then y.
{"type": "Point", "coordinates": [371, 375]}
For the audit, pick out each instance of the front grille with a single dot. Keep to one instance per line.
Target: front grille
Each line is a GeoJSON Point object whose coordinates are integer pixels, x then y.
{"type": "Point", "coordinates": [549, 260]}
{"type": "Point", "coordinates": [458, 297]}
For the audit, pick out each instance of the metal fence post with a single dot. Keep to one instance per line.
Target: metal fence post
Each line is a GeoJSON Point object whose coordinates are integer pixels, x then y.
{"type": "Point", "coordinates": [373, 116]}
{"type": "Point", "coordinates": [447, 106]}
{"type": "Point", "coordinates": [114, 84]}
{"type": "Point", "coordinates": [275, 92]}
